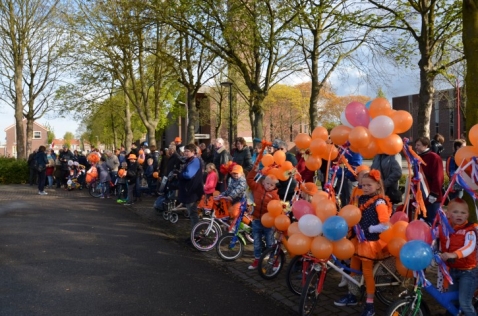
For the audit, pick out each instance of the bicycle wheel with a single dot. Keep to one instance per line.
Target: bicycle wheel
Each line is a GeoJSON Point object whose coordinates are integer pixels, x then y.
{"type": "Point", "coordinates": [389, 287]}
{"type": "Point", "coordinates": [95, 189]}
{"type": "Point", "coordinates": [404, 307]}
{"type": "Point", "coordinates": [310, 296]}
{"type": "Point", "coordinates": [205, 235]}
{"type": "Point", "coordinates": [227, 250]}
{"type": "Point", "coordinates": [173, 217]}
{"type": "Point", "coordinates": [294, 275]}
{"type": "Point", "coordinates": [271, 262]}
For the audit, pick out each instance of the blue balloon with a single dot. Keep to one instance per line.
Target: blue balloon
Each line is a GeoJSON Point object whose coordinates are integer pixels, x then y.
{"type": "Point", "coordinates": [416, 255]}
{"type": "Point", "coordinates": [367, 105]}
{"type": "Point", "coordinates": [335, 228]}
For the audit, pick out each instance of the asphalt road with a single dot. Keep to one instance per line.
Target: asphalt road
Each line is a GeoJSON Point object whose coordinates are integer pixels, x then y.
{"type": "Point", "coordinates": [69, 254]}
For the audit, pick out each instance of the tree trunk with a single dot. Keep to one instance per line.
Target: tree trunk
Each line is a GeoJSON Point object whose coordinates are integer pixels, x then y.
{"type": "Point", "coordinates": [192, 115]}
{"type": "Point", "coordinates": [470, 43]}
{"type": "Point", "coordinates": [127, 127]}
{"type": "Point", "coordinates": [21, 153]}
{"type": "Point", "coordinates": [427, 90]}
{"type": "Point", "coordinates": [315, 84]}
{"type": "Point", "coordinates": [29, 136]}
{"type": "Point", "coordinates": [257, 128]}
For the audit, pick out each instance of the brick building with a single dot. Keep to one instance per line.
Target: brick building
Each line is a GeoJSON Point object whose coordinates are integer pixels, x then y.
{"type": "Point", "coordinates": [40, 137]}
{"type": "Point", "coordinates": [445, 117]}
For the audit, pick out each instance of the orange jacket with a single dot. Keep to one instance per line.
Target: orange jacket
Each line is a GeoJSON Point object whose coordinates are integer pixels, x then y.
{"type": "Point", "coordinates": [261, 196]}
{"type": "Point", "coordinates": [463, 243]}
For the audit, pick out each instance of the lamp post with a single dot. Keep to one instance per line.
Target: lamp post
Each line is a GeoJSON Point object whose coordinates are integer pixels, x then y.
{"type": "Point", "coordinates": [229, 84]}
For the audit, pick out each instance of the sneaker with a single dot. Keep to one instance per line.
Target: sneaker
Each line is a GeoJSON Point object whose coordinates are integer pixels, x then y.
{"type": "Point", "coordinates": [120, 201]}
{"type": "Point", "coordinates": [254, 264]}
{"type": "Point", "coordinates": [42, 193]}
{"type": "Point", "coordinates": [343, 282]}
{"type": "Point", "coordinates": [369, 310]}
{"type": "Point", "coordinates": [102, 197]}
{"type": "Point", "coordinates": [128, 203]}
{"type": "Point", "coordinates": [347, 300]}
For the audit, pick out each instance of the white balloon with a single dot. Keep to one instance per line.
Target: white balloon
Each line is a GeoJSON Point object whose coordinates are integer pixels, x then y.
{"type": "Point", "coordinates": [310, 225]}
{"type": "Point", "coordinates": [344, 121]}
{"type": "Point", "coordinates": [381, 126]}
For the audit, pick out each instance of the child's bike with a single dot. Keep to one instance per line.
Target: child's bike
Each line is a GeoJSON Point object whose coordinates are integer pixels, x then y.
{"type": "Point", "coordinates": [388, 282]}
{"type": "Point", "coordinates": [230, 246]}
{"type": "Point", "coordinates": [272, 259]}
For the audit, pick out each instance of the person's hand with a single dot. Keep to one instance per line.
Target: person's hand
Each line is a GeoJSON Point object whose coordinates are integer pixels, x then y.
{"type": "Point", "coordinates": [432, 198]}
{"type": "Point", "coordinates": [445, 256]}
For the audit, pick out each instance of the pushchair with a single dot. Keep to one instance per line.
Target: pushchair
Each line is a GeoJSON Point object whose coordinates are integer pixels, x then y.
{"type": "Point", "coordinates": [167, 202]}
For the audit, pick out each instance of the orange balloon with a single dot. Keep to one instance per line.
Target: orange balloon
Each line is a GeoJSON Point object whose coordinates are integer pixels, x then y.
{"type": "Point", "coordinates": [472, 135]}
{"type": "Point", "coordinates": [399, 228]}
{"type": "Point", "coordinates": [299, 243]}
{"type": "Point", "coordinates": [402, 121]}
{"type": "Point", "coordinates": [395, 245]}
{"type": "Point", "coordinates": [405, 272]}
{"type": "Point", "coordinates": [282, 222]}
{"type": "Point", "coordinates": [274, 207]}
{"type": "Point", "coordinates": [321, 247]}
{"type": "Point", "coordinates": [354, 149]}
{"type": "Point", "coordinates": [302, 141]}
{"type": "Point", "coordinates": [317, 147]}
{"type": "Point", "coordinates": [465, 153]}
{"type": "Point", "coordinates": [343, 249]}
{"type": "Point", "coordinates": [283, 175]}
{"type": "Point", "coordinates": [320, 133]}
{"type": "Point", "coordinates": [370, 151]}
{"type": "Point", "coordinates": [386, 235]}
{"type": "Point", "coordinates": [267, 220]}
{"type": "Point", "coordinates": [325, 209]}
{"type": "Point", "coordinates": [276, 172]}
{"type": "Point", "coordinates": [351, 214]}
{"type": "Point", "coordinates": [267, 160]}
{"type": "Point", "coordinates": [360, 137]}
{"type": "Point", "coordinates": [390, 145]}
{"type": "Point", "coordinates": [340, 134]}
{"type": "Point", "coordinates": [318, 197]}
{"type": "Point", "coordinates": [293, 229]}
{"type": "Point", "coordinates": [279, 157]}
{"type": "Point", "coordinates": [313, 163]}
{"type": "Point", "coordinates": [331, 152]}
{"type": "Point", "coordinates": [379, 106]}
{"type": "Point", "coordinates": [287, 165]}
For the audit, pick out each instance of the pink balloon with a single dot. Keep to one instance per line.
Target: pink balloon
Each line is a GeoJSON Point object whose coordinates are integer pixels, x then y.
{"type": "Point", "coordinates": [302, 207]}
{"type": "Point", "coordinates": [399, 216]}
{"type": "Point", "coordinates": [357, 114]}
{"type": "Point", "coordinates": [419, 230]}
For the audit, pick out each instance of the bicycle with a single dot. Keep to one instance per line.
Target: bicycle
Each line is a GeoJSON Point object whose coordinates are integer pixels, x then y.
{"type": "Point", "coordinates": [206, 233]}
{"type": "Point", "coordinates": [387, 281]}
{"type": "Point", "coordinates": [230, 246]}
{"type": "Point", "coordinates": [95, 188]}
{"type": "Point", "coordinates": [273, 259]}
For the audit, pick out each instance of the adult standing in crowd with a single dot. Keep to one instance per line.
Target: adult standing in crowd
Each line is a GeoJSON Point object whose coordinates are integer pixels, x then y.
{"type": "Point", "coordinates": [132, 173]}
{"type": "Point", "coordinates": [221, 157]}
{"type": "Point", "coordinates": [174, 161]}
{"type": "Point", "coordinates": [178, 144]}
{"type": "Point", "coordinates": [52, 154]}
{"type": "Point", "coordinates": [163, 164]}
{"type": "Point", "coordinates": [65, 156]}
{"type": "Point", "coordinates": [191, 187]}
{"type": "Point", "coordinates": [31, 166]}
{"type": "Point", "coordinates": [391, 173]}
{"type": "Point", "coordinates": [433, 174]}
{"type": "Point", "coordinates": [306, 174]}
{"type": "Point", "coordinates": [113, 164]}
{"type": "Point", "coordinates": [122, 155]}
{"type": "Point", "coordinates": [436, 144]}
{"type": "Point", "coordinates": [451, 167]}
{"type": "Point", "coordinates": [156, 157]}
{"type": "Point", "coordinates": [206, 153]}
{"type": "Point", "coordinates": [346, 180]}
{"type": "Point", "coordinates": [41, 161]}
{"type": "Point", "coordinates": [242, 155]}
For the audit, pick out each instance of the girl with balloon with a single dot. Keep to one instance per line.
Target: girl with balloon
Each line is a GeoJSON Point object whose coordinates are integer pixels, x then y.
{"type": "Point", "coordinates": [375, 208]}
{"type": "Point", "coordinates": [357, 192]}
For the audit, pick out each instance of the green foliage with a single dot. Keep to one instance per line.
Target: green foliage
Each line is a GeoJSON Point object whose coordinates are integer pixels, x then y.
{"type": "Point", "coordinates": [13, 171]}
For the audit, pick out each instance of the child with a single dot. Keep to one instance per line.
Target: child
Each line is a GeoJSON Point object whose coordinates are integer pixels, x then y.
{"type": "Point", "coordinates": [263, 192]}
{"type": "Point", "coordinates": [50, 168]}
{"type": "Point", "coordinates": [234, 193]}
{"type": "Point", "coordinates": [122, 183]}
{"type": "Point", "coordinates": [357, 191]}
{"type": "Point", "coordinates": [460, 247]}
{"type": "Point", "coordinates": [375, 209]}
{"type": "Point", "coordinates": [209, 188]}
{"type": "Point", "coordinates": [104, 174]}
{"type": "Point", "coordinates": [307, 191]}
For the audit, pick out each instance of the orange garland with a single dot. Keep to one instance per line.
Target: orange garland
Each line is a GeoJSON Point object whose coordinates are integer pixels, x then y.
{"type": "Point", "coordinates": [373, 200]}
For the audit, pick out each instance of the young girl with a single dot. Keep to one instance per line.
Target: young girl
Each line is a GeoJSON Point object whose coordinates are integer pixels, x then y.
{"type": "Point", "coordinates": [209, 188]}
{"type": "Point", "coordinates": [375, 208]}
{"type": "Point", "coordinates": [234, 193]}
{"type": "Point", "coordinates": [263, 191]}
{"type": "Point", "coordinates": [460, 249]}
{"type": "Point", "coordinates": [50, 168]}
{"type": "Point", "coordinates": [357, 191]}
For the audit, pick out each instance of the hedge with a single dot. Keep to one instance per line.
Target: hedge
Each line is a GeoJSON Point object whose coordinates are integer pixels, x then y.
{"type": "Point", "coordinates": [13, 171]}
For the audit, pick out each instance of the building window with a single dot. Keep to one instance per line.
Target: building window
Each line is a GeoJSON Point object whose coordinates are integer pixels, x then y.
{"type": "Point", "coordinates": [36, 135]}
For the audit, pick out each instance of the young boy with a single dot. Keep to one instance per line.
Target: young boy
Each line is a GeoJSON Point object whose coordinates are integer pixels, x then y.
{"type": "Point", "coordinates": [263, 192]}
{"type": "Point", "coordinates": [460, 251]}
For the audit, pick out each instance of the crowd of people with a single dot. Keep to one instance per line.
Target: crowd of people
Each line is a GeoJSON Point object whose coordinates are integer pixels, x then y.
{"type": "Point", "coordinates": [200, 170]}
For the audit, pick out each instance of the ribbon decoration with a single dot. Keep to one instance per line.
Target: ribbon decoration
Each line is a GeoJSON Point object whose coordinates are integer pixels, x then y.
{"type": "Point", "coordinates": [359, 233]}
{"type": "Point", "coordinates": [414, 160]}
{"type": "Point", "coordinates": [421, 279]}
{"type": "Point", "coordinates": [443, 268]}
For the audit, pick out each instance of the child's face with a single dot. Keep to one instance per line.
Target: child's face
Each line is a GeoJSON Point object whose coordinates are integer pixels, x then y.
{"type": "Point", "coordinates": [235, 175]}
{"type": "Point", "coordinates": [457, 213]}
{"type": "Point", "coordinates": [268, 184]}
{"type": "Point", "coordinates": [370, 186]}
{"type": "Point", "coordinates": [360, 176]}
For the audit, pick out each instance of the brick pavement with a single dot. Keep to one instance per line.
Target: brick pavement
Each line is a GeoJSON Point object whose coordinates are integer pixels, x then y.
{"type": "Point", "coordinates": [276, 288]}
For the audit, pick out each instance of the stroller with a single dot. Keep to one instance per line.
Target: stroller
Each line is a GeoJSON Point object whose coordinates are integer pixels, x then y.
{"type": "Point", "coordinates": [167, 202]}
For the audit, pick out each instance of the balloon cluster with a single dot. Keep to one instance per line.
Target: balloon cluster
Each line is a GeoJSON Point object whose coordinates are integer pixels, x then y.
{"type": "Point", "coordinates": [409, 243]}
{"type": "Point", "coordinates": [277, 166]}
{"type": "Point", "coordinates": [372, 128]}
{"type": "Point", "coordinates": [320, 230]}
{"type": "Point", "coordinates": [465, 153]}
{"type": "Point", "coordinates": [316, 147]}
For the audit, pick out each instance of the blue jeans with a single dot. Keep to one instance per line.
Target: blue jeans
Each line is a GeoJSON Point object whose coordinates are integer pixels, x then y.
{"type": "Point", "coordinates": [259, 231]}
{"type": "Point", "coordinates": [41, 180]}
{"type": "Point", "coordinates": [50, 181]}
{"type": "Point", "coordinates": [465, 282]}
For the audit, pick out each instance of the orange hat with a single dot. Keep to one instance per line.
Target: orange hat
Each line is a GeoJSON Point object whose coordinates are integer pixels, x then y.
{"type": "Point", "coordinates": [177, 139]}
{"type": "Point", "coordinates": [362, 168]}
{"type": "Point", "coordinates": [237, 169]}
{"type": "Point", "coordinates": [132, 156]}
{"type": "Point", "coordinates": [309, 188]}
